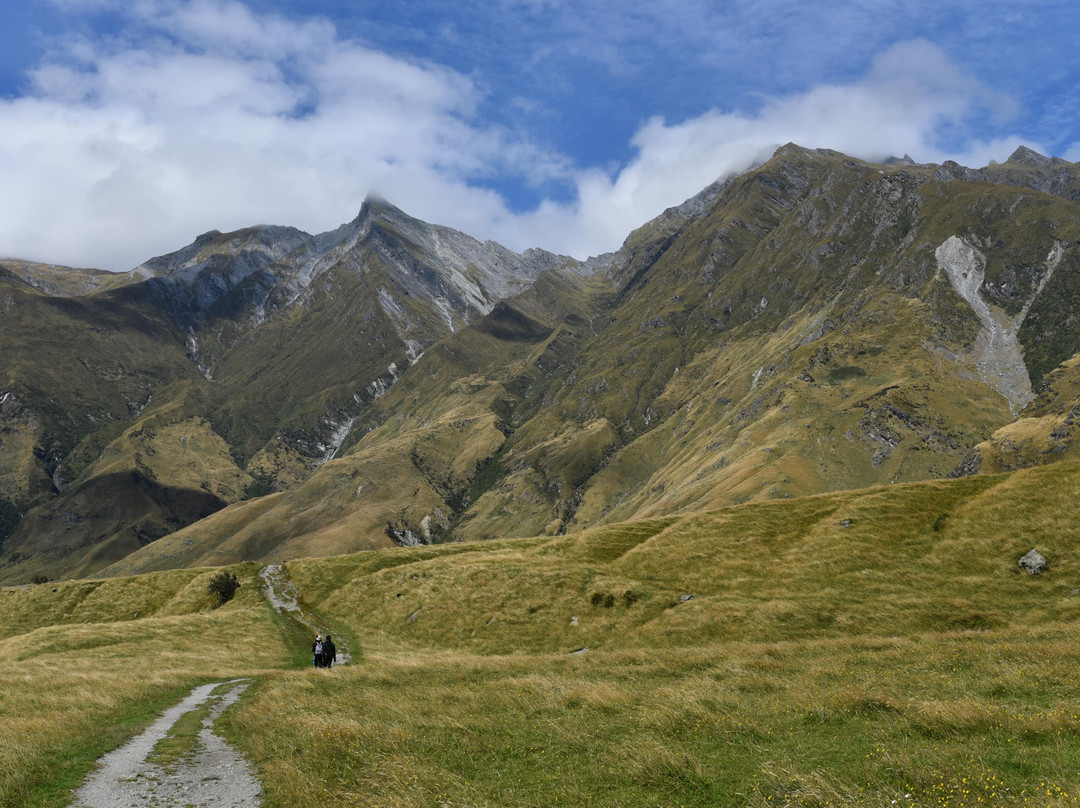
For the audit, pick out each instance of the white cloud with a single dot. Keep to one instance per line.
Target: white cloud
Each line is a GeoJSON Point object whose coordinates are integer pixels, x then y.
{"type": "Point", "coordinates": [911, 93]}
{"type": "Point", "coordinates": [134, 146]}
{"type": "Point", "coordinates": [206, 115]}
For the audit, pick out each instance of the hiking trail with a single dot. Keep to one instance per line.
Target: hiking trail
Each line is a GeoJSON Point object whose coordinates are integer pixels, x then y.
{"type": "Point", "coordinates": [283, 595]}
{"type": "Point", "coordinates": [189, 766]}
{"type": "Point", "coordinates": [206, 773]}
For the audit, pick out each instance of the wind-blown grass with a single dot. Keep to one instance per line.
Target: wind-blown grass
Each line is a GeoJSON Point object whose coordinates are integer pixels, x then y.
{"type": "Point", "coordinates": [851, 649]}
{"type": "Point", "coordinates": [966, 719]}
{"type": "Point", "coordinates": [870, 648]}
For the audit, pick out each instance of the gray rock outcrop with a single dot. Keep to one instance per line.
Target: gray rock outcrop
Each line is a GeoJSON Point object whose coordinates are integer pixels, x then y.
{"type": "Point", "coordinates": [1033, 562]}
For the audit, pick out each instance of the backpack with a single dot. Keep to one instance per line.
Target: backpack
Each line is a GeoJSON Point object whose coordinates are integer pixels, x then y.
{"type": "Point", "coordinates": [318, 649]}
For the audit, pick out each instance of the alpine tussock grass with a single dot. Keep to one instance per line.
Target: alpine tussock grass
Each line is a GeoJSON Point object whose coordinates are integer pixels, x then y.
{"type": "Point", "coordinates": [864, 648]}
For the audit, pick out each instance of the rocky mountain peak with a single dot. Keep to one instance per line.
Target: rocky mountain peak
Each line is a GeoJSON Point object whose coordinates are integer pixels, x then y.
{"type": "Point", "coordinates": [790, 150]}
{"type": "Point", "coordinates": [269, 242]}
{"type": "Point", "coordinates": [1029, 157]}
{"type": "Point", "coordinates": [375, 206]}
{"type": "Point", "coordinates": [375, 210]}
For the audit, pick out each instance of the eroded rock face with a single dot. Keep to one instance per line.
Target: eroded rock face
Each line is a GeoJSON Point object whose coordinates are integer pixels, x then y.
{"type": "Point", "coordinates": [1033, 562]}
{"type": "Point", "coordinates": [998, 354]}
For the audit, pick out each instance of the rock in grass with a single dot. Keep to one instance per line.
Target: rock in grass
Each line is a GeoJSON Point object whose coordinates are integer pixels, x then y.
{"type": "Point", "coordinates": [1033, 562]}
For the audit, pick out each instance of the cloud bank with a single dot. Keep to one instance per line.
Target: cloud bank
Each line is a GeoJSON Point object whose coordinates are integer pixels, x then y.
{"type": "Point", "coordinates": [204, 115]}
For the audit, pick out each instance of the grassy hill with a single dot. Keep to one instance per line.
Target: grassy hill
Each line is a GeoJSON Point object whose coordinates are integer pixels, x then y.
{"type": "Point", "coordinates": [84, 665]}
{"type": "Point", "coordinates": [851, 648]}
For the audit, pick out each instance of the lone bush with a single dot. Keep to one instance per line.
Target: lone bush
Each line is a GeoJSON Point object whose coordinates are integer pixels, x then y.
{"type": "Point", "coordinates": [224, 585]}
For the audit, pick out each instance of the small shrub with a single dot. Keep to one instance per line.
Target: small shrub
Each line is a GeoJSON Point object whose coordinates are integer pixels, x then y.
{"type": "Point", "coordinates": [630, 597]}
{"type": "Point", "coordinates": [41, 579]}
{"type": "Point", "coordinates": [224, 585]}
{"type": "Point", "coordinates": [605, 599]}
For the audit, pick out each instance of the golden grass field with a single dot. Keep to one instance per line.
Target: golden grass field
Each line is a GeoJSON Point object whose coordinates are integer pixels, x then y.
{"type": "Point", "coordinates": [873, 648]}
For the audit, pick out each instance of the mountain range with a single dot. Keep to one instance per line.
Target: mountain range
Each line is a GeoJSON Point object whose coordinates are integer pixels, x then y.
{"type": "Point", "coordinates": [815, 323]}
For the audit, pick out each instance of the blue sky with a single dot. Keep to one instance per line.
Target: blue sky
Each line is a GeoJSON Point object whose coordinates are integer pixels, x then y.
{"type": "Point", "coordinates": [127, 128]}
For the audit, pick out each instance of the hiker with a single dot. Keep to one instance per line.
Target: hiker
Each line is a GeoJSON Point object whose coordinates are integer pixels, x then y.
{"type": "Point", "coordinates": [317, 651]}
{"type": "Point", "coordinates": [329, 652]}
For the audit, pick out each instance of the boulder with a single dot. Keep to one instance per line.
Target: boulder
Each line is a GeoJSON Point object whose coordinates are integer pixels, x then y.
{"type": "Point", "coordinates": [1033, 563]}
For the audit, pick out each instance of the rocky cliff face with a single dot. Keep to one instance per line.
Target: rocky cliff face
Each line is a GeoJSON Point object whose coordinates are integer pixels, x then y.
{"type": "Point", "coordinates": [815, 323]}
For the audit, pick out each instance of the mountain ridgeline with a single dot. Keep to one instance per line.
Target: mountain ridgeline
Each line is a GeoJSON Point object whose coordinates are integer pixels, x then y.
{"type": "Point", "coordinates": [816, 323]}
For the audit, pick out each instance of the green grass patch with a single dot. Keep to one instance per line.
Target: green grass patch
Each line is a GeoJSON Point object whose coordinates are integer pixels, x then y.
{"type": "Point", "coordinates": [181, 742]}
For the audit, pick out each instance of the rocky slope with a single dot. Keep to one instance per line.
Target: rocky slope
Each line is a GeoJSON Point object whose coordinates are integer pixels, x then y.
{"type": "Point", "coordinates": [813, 324]}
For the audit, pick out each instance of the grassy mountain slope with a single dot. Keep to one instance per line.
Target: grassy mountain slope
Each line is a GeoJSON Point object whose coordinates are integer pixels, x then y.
{"type": "Point", "coordinates": [850, 648]}
{"type": "Point", "coordinates": [792, 331]}
{"type": "Point", "coordinates": [798, 337]}
{"type": "Point", "coordinates": [73, 367]}
{"type": "Point", "coordinates": [422, 457]}
{"type": "Point", "coordinates": [167, 470]}
{"type": "Point", "coordinates": [60, 281]}
{"type": "Point", "coordinates": [1045, 431]}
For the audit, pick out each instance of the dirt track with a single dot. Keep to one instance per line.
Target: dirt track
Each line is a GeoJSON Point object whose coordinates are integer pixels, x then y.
{"type": "Point", "coordinates": [283, 595]}
{"type": "Point", "coordinates": [215, 775]}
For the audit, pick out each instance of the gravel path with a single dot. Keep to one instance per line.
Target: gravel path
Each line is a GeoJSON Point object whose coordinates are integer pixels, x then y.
{"type": "Point", "coordinates": [215, 776]}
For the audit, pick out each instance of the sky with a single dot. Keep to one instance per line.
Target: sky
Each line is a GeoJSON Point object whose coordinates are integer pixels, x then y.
{"type": "Point", "coordinates": [129, 127]}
